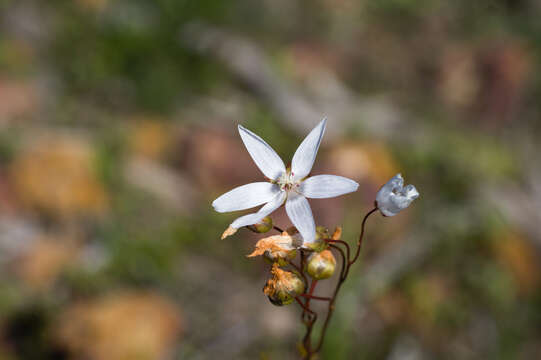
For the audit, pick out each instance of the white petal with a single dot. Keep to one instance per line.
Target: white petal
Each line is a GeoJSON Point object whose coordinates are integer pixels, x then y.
{"type": "Point", "coordinates": [327, 186]}
{"type": "Point", "coordinates": [251, 219]}
{"type": "Point", "coordinates": [246, 196]}
{"type": "Point", "coordinates": [304, 157]}
{"type": "Point", "coordinates": [266, 159]}
{"type": "Point", "coordinates": [300, 214]}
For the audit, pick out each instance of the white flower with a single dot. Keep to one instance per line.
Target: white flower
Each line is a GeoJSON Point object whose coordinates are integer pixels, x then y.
{"type": "Point", "coordinates": [394, 197]}
{"type": "Point", "coordinates": [285, 185]}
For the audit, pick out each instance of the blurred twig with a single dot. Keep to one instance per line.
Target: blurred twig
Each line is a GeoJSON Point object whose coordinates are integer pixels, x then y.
{"type": "Point", "coordinates": [520, 205]}
{"type": "Point", "coordinates": [395, 262]}
{"type": "Point", "coordinates": [170, 187]}
{"type": "Point", "coordinates": [251, 67]}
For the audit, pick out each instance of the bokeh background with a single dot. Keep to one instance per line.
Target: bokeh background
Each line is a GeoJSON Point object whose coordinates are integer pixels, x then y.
{"type": "Point", "coordinates": [118, 128]}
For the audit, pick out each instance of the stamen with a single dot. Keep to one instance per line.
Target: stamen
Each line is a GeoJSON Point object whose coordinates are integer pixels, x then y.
{"type": "Point", "coordinates": [287, 182]}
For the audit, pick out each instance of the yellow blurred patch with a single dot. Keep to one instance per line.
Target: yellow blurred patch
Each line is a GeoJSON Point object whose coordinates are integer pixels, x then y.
{"type": "Point", "coordinates": [57, 175]}
{"type": "Point", "coordinates": [150, 138]}
{"type": "Point", "coordinates": [121, 326]}
{"type": "Point", "coordinates": [428, 294]}
{"type": "Point", "coordinates": [515, 253]}
{"type": "Point", "coordinates": [392, 307]}
{"type": "Point", "coordinates": [41, 265]}
{"type": "Point", "coordinates": [370, 161]}
{"type": "Point", "coordinates": [459, 78]}
{"type": "Point", "coordinates": [421, 304]}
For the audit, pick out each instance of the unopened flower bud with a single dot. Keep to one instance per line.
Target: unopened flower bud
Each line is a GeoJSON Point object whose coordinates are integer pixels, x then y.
{"type": "Point", "coordinates": [283, 286]}
{"type": "Point", "coordinates": [321, 265]}
{"type": "Point", "coordinates": [265, 225]}
{"type": "Point", "coordinates": [322, 232]}
{"type": "Point", "coordinates": [394, 197]}
{"type": "Point", "coordinates": [319, 243]}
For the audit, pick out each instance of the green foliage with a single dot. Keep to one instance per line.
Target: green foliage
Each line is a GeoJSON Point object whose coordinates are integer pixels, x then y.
{"type": "Point", "coordinates": [136, 45]}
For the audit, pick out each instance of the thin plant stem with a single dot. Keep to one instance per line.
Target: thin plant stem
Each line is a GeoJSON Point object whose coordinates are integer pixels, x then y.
{"type": "Point", "coordinates": [311, 292]}
{"type": "Point", "coordinates": [299, 270]}
{"type": "Point", "coordinates": [344, 261]}
{"type": "Point", "coordinates": [310, 320]}
{"type": "Point", "coordinates": [304, 306]}
{"type": "Point", "coordinates": [348, 251]}
{"type": "Point", "coordinates": [322, 298]}
{"type": "Point", "coordinates": [344, 271]}
{"type": "Point", "coordinates": [359, 243]}
{"type": "Point", "coordinates": [303, 260]}
{"type": "Point", "coordinates": [330, 309]}
{"type": "Point", "coordinates": [306, 343]}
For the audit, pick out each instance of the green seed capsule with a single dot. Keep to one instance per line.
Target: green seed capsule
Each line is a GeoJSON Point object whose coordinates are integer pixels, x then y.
{"type": "Point", "coordinates": [265, 225]}
{"type": "Point", "coordinates": [321, 265]}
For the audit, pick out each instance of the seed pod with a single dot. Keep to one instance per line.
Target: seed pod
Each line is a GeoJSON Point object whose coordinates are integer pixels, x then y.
{"type": "Point", "coordinates": [321, 265]}
{"type": "Point", "coordinates": [265, 225]}
{"type": "Point", "coordinates": [283, 286]}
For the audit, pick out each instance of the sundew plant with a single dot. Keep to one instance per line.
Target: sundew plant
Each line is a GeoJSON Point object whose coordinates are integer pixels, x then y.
{"type": "Point", "coordinates": [304, 254]}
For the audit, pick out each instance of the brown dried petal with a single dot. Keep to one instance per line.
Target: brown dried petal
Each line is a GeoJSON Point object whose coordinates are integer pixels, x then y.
{"type": "Point", "coordinates": [228, 232]}
{"type": "Point", "coordinates": [277, 245]}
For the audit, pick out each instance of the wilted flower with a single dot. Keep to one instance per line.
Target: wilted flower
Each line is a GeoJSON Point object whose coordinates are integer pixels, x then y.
{"type": "Point", "coordinates": [394, 196]}
{"type": "Point", "coordinates": [277, 246]}
{"type": "Point", "coordinates": [285, 185]}
{"type": "Point", "coordinates": [283, 286]}
{"type": "Point", "coordinates": [321, 265]}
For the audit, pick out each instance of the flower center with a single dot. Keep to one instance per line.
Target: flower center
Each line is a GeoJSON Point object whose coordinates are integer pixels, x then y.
{"type": "Point", "coordinates": [287, 182]}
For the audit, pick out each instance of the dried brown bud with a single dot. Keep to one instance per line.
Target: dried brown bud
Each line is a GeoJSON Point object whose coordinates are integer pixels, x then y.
{"type": "Point", "coordinates": [278, 247]}
{"type": "Point", "coordinates": [283, 286]}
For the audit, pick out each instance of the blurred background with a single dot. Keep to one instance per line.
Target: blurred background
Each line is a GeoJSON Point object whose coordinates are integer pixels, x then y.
{"type": "Point", "coordinates": [118, 128]}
